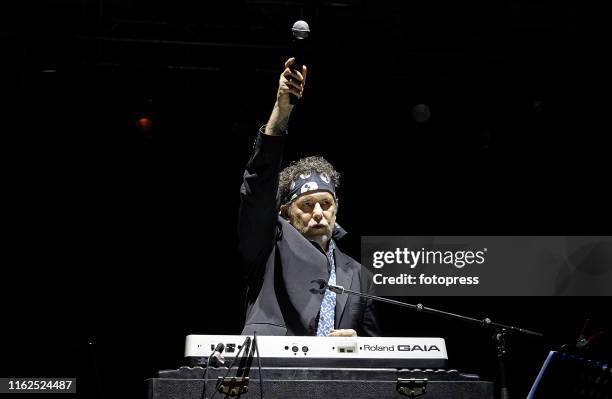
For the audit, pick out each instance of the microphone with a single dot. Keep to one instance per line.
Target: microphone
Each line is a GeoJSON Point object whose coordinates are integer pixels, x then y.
{"type": "Point", "coordinates": [323, 285]}
{"type": "Point", "coordinates": [338, 289]}
{"type": "Point", "coordinates": [300, 31]}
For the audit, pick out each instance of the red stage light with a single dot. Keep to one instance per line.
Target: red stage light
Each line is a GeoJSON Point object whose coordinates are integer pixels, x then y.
{"type": "Point", "coordinates": [145, 125]}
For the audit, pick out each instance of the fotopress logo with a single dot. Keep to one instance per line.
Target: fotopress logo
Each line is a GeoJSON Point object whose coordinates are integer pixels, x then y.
{"type": "Point", "coordinates": [411, 258]}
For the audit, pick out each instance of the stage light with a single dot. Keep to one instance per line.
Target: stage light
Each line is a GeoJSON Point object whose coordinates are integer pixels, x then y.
{"type": "Point", "coordinates": [421, 113]}
{"type": "Point", "coordinates": [145, 126]}
{"type": "Point", "coordinates": [537, 106]}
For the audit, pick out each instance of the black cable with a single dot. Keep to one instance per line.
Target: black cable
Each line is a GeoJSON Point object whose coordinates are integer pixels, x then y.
{"type": "Point", "coordinates": [244, 368]}
{"type": "Point", "coordinates": [219, 348]}
{"type": "Point", "coordinates": [256, 349]}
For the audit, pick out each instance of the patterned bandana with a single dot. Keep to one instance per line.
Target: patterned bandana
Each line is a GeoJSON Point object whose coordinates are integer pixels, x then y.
{"type": "Point", "coordinates": [312, 181]}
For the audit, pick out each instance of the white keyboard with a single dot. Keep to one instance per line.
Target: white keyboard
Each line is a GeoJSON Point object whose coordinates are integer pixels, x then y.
{"type": "Point", "coordinates": [308, 351]}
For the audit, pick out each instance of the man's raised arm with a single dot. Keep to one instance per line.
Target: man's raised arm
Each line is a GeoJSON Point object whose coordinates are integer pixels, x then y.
{"type": "Point", "coordinates": [258, 205]}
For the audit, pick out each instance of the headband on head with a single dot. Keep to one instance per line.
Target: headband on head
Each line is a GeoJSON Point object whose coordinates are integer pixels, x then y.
{"type": "Point", "coordinates": [310, 181]}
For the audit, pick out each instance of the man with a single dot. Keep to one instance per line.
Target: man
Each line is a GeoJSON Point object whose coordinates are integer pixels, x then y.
{"type": "Point", "coordinates": [288, 237]}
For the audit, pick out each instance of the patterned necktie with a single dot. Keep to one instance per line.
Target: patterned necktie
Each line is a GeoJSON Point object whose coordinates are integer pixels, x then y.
{"type": "Point", "coordinates": [328, 306]}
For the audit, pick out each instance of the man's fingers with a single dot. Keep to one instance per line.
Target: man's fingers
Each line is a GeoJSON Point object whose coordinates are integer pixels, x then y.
{"type": "Point", "coordinates": [304, 72]}
{"type": "Point", "coordinates": [289, 62]}
{"type": "Point", "coordinates": [294, 84]}
{"type": "Point", "coordinates": [290, 73]}
{"type": "Point", "coordinates": [292, 81]}
{"type": "Point", "coordinates": [291, 85]}
{"type": "Point", "coordinates": [290, 90]}
{"type": "Point", "coordinates": [298, 74]}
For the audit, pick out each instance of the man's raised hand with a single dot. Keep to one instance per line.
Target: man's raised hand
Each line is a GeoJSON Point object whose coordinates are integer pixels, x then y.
{"type": "Point", "coordinates": [290, 82]}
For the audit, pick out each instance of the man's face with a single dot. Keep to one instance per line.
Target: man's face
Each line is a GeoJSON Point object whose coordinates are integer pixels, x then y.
{"type": "Point", "coordinates": [314, 215]}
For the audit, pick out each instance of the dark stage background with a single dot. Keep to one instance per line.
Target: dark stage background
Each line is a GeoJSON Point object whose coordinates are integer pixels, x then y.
{"type": "Point", "coordinates": [119, 241]}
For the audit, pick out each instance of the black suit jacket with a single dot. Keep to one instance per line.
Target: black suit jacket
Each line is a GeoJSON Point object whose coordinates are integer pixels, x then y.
{"type": "Point", "coordinates": [281, 263]}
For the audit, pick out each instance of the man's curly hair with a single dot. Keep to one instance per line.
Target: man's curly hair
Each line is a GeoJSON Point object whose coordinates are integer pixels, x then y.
{"type": "Point", "coordinates": [302, 166]}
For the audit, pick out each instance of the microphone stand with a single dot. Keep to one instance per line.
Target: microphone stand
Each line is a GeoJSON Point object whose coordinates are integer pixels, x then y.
{"type": "Point", "coordinates": [500, 331]}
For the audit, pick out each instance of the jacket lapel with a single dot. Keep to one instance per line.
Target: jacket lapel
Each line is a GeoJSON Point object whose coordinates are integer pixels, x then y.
{"type": "Point", "coordinates": [344, 278]}
{"type": "Point", "coordinates": [301, 263]}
